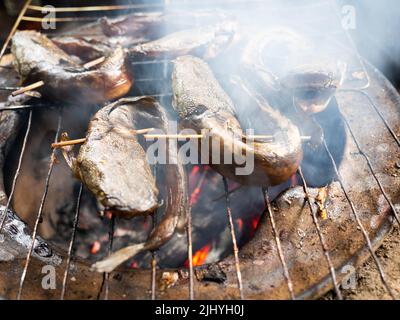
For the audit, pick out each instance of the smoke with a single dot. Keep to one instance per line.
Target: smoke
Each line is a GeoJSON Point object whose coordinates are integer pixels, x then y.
{"type": "Point", "coordinates": [375, 33]}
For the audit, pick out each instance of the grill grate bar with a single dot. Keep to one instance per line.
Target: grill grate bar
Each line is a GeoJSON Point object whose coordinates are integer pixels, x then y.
{"type": "Point", "coordinates": [321, 237]}
{"type": "Point", "coordinates": [110, 248]}
{"type": "Point", "coordinates": [189, 226]}
{"type": "Point", "coordinates": [153, 262]}
{"type": "Point", "coordinates": [371, 168]}
{"type": "Point", "coordinates": [71, 244]}
{"type": "Point", "coordinates": [40, 212]}
{"type": "Point", "coordinates": [190, 253]}
{"type": "Point", "coordinates": [17, 172]}
{"type": "Point", "coordinates": [364, 232]}
{"type": "Point", "coordinates": [234, 242]}
{"type": "Point", "coordinates": [153, 275]}
{"type": "Point", "coordinates": [371, 101]}
{"type": "Point", "coordinates": [278, 244]}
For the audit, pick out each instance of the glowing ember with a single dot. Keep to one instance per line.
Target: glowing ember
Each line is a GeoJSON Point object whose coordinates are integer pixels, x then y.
{"type": "Point", "coordinates": [195, 170]}
{"type": "Point", "coordinates": [200, 256]}
{"type": "Point", "coordinates": [239, 224]}
{"type": "Point", "coordinates": [255, 223]}
{"type": "Point", "coordinates": [194, 196]}
{"type": "Point", "coordinates": [95, 247]}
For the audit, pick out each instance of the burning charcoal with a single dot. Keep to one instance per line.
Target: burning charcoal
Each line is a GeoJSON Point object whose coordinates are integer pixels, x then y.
{"type": "Point", "coordinates": [39, 59]}
{"type": "Point", "coordinates": [212, 273]}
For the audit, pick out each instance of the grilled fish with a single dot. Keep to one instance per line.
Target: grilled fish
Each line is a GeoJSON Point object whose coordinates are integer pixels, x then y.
{"type": "Point", "coordinates": [10, 123]}
{"type": "Point", "coordinates": [207, 42]}
{"type": "Point", "coordinates": [299, 79]}
{"type": "Point", "coordinates": [284, 63]}
{"type": "Point", "coordinates": [16, 237]}
{"type": "Point", "coordinates": [156, 24]}
{"type": "Point", "coordinates": [85, 48]}
{"type": "Point", "coordinates": [203, 105]}
{"type": "Point", "coordinates": [177, 203]}
{"type": "Point", "coordinates": [38, 58]}
{"type": "Point", "coordinates": [113, 165]}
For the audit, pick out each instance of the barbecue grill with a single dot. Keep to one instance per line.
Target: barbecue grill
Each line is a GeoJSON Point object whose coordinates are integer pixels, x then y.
{"type": "Point", "coordinates": [294, 254]}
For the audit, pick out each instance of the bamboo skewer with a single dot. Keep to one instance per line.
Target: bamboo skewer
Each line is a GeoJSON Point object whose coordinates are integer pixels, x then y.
{"type": "Point", "coordinates": [93, 63]}
{"type": "Point", "coordinates": [67, 143]}
{"type": "Point", "coordinates": [92, 8]}
{"type": "Point", "coordinates": [158, 136]}
{"type": "Point", "coordinates": [30, 87]}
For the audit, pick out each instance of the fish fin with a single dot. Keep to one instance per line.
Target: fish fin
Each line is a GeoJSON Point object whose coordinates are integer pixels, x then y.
{"type": "Point", "coordinates": [69, 156]}
{"type": "Point", "coordinates": [67, 151]}
{"type": "Point", "coordinates": [118, 257]}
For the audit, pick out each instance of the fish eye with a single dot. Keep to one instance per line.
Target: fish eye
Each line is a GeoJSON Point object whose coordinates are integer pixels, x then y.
{"type": "Point", "coordinates": [101, 194]}
{"type": "Point", "coordinates": [198, 111]}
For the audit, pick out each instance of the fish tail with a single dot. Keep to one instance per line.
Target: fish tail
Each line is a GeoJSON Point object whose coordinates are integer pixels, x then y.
{"type": "Point", "coordinates": [118, 257]}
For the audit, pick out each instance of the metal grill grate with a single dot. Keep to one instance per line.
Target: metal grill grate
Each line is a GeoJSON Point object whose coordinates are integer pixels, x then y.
{"type": "Point", "coordinates": [360, 89]}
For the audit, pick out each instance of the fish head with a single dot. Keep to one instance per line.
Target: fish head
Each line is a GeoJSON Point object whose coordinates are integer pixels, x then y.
{"type": "Point", "coordinates": [197, 117]}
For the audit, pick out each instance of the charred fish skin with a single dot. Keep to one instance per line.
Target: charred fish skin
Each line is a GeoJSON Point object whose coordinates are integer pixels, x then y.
{"type": "Point", "coordinates": [300, 80]}
{"type": "Point", "coordinates": [202, 104]}
{"type": "Point", "coordinates": [207, 42]}
{"type": "Point", "coordinates": [86, 48]}
{"type": "Point", "coordinates": [177, 201]}
{"type": "Point", "coordinates": [10, 124]}
{"type": "Point", "coordinates": [157, 24]}
{"type": "Point", "coordinates": [16, 238]}
{"type": "Point", "coordinates": [114, 166]}
{"type": "Point", "coordinates": [38, 58]}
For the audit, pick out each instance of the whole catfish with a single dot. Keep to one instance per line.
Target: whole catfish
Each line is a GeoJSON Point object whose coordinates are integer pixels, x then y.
{"type": "Point", "coordinates": [284, 62]}
{"type": "Point", "coordinates": [203, 105]}
{"type": "Point", "coordinates": [157, 24]}
{"type": "Point", "coordinates": [113, 165]}
{"type": "Point", "coordinates": [206, 41]}
{"type": "Point", "coordinates": [38, 58]}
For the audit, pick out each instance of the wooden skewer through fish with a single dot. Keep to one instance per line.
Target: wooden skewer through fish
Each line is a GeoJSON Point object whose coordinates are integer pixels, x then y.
{"type": "Point", "coordinates": [30, 87]}
{"type": "Point", "coordinates": [165, 136]}
{"type": "Point", "coordinates": [93, 63]}
{"type": "Point", "coordinates": [67, 143]}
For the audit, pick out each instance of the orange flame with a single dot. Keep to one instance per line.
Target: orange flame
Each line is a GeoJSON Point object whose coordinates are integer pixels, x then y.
{"type": "Point", "coordinates": [95, 247]}
{"type": "Point", "coordinates": [255, 223]}
{"type": "Point", "coordinates": [194, 196]}
{"type": "Point", "coordinates": [200, 256]}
